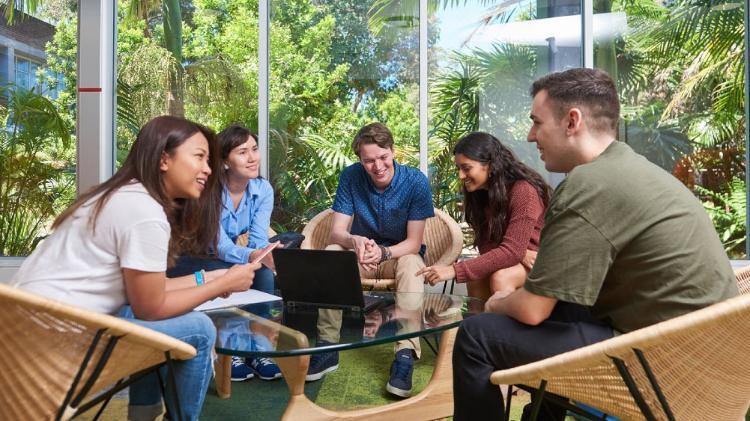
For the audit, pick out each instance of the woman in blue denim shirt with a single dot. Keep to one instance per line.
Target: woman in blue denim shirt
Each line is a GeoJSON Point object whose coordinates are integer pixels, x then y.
{"type": "Point", "coordinates": [247, 202]}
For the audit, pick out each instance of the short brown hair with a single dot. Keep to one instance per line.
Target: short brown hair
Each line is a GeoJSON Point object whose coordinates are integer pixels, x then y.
{"type": "Point", "coordinates": [376, 133]}
{"type": "Point", "coordinates": [591, 89]}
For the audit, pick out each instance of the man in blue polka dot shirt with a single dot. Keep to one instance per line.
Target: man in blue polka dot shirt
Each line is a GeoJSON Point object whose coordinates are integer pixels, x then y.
{"type": "Point", "coordinates": [386, 204]}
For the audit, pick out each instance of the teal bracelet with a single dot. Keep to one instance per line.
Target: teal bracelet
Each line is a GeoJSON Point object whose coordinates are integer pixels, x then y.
{"type": "Point", "coordinates": [200, 277]}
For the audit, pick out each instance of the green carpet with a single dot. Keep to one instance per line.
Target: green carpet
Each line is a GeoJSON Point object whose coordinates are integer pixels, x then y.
{"type": "Point", "coordinates": [358, 383]}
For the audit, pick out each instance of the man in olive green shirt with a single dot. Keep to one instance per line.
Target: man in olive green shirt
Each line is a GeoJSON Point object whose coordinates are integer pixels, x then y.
{"type": "Point", "coordinates": [624, 246]}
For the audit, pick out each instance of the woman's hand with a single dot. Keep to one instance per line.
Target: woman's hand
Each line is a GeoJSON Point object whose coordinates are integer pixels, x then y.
{"type": "Point", "coordinates": [239, 278]}
{"type": "Point", "coordinates": [435, 274]}
{"type": "Point", "coordinates": [529, 259]}
{"type": "Point", "coordinates": [267, 259]}
{"type": "Point", "coordinates": [215, 274]}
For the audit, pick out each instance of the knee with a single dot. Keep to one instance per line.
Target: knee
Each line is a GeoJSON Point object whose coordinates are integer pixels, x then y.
{"type": "Point", "coordinates": [264, 280]}
{"type": "Point", "coordinates": [499, 276]}
{"type": "Point", "coordinates": [410, 258]}
{"type": "Point", "coordinates": [470, 326]}
{"type": "Point", "coordinates": [477, 327]}
{"type": "Point", "coordinates": [507, 279]}
{"type": "Point", "coordinates": [203, 331]}
{"type": "Point", "coordinates": [410, 262]}
{"type": "Point", "coordinates": [334, 247]}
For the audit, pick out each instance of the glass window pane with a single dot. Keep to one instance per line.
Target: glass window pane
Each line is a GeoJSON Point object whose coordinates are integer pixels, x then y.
{"type": "Point", "coordinates": [482, 63]}
{"type": "Point", "coordinates": [331, 72]}
{"type": "Point", "coordinates": [41, 168]}
{"type": "Point", "coordinates": [683, 96]}
{"type": "Point", "coordinates": [209, 74]}
{"type": "Point", "coordinates": [22, 65]}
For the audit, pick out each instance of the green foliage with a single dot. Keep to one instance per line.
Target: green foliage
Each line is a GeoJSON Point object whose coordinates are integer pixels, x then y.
{"type": "Point", "coordinates": [62, 57]}
{"type": "Point", "coordinates": [37, 178]}
{"type": "Point", "coordinates": [663, 143]}
{"type": "Point", "coordinates": [728, 212]}
{"type": "Point", "coordinates": [679, 70]}
{"type": "Point", "coordinates": [455, 106]}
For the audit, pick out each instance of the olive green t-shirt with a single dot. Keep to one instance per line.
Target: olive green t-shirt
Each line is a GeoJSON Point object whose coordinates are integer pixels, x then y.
{"type": "Point", "coordinates": [626, 238]}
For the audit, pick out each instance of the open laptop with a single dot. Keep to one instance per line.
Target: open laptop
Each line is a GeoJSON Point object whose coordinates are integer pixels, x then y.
{"type": "Point", "coordinates": [323, 278]}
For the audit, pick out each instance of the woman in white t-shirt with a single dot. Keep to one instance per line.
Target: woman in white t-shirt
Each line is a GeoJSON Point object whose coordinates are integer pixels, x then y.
{"type": "Point", "coordinates": [110, 249]}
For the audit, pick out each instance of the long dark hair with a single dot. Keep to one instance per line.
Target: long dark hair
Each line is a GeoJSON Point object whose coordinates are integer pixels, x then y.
{"type": "Point", "coordinates": [194, 223]}
{"type": "Point", "coordinates": [504, 169]}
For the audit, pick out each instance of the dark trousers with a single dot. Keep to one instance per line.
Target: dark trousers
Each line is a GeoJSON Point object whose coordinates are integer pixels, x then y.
{"type": "Point", "coordinates": [489, 342]}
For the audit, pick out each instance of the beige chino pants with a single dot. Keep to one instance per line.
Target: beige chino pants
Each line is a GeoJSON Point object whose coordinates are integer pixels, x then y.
{"type": "Point", "coordinates": [408, 306]}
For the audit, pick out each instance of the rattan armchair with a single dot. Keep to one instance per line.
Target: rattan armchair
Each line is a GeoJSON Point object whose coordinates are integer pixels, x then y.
{"type": "Point", "coordinates": [56, 360]}
{"type": "Point", "coordinates": [442, 236]}
{"type": "Point", "coordinates": [692, 367]}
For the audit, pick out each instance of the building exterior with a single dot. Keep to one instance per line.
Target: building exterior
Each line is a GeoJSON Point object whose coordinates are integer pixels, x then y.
{"type": "Point", "coordinates": [22, 54]}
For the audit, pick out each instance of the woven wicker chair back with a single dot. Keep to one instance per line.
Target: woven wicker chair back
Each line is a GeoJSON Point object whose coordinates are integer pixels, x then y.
{"type": "Point", "coordinates": [442, 237]}
{"type": "Point", "coordinates": [698, 360]}
{"type": "Point", "coordinates": [44, 343]}
{"type": "Point", "coordinates": [243, 239]}
{"type": "Point", "coordinates": [743, 279]}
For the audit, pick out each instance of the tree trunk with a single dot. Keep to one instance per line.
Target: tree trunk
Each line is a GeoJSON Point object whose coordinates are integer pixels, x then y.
{"type": "Point", "coordinates": [358, 99]}
{"type": "Point", "coordinates": [172, 16]}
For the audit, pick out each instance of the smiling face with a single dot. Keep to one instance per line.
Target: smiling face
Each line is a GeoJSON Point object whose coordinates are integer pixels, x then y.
{"type": "Point", "coordinates": [473, 174]}
{"type": "Point", "coordinates": [378, 163]}
{"type": "Point", "coordinates": [185, 171]}
{"type": "Point", "coordinates": [244, 160]}
{"type": "Point", "coordinates": [549, 132]}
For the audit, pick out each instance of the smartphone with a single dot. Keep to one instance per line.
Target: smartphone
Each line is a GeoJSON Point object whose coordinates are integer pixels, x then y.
{"type": "Point", "coordinates": [264, 251]}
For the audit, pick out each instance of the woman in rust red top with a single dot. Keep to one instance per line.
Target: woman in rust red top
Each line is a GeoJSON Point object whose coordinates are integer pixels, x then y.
{"type": "Point", "coordinates": [504, 203]}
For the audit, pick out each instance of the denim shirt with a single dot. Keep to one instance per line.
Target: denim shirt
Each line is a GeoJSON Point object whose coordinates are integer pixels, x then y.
{"type": "Point", "coordinates": [253, 216]}
{"type": "Point", "coordinates": [383, 216]}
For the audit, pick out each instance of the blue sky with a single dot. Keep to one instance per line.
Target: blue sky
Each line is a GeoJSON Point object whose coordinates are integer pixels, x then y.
{"type": "Point", "coordinates": [457, 23]}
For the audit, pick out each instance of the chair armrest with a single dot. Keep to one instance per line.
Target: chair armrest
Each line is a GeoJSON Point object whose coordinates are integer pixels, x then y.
{"type": "Point", "coordinates": [696, 359]}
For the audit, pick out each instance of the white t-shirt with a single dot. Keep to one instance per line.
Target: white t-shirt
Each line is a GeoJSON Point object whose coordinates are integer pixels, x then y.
{"type": "Point", "coordinates": [84, 268]}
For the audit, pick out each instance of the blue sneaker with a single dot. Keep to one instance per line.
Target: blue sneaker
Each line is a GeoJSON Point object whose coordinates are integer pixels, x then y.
{"type": "Point", "coordinates": [320, 364]}
{"type": "Point", "coordinates": [264, 367]}
{"type": "Point", "coordinates": [240, 370]}
{"type": "Point", "coordinates": [401, 370]}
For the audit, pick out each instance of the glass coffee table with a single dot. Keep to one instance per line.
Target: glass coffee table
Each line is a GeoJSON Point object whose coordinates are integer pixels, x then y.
{"type": "Point", "coordinates": [291, 333]}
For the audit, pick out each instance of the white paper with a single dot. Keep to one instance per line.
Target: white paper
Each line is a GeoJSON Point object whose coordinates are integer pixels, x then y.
{"type": "Point", "coordinates": [250, 296]}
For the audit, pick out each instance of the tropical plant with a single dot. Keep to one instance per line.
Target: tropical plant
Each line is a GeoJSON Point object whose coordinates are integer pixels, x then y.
{"type": "Point", "coordinates": [36, 179]}
{"type": "Point", "coordinates": [168, 12]}
{"type": "Point", "coordinates": [455, 108]}
{"type": "Point", "coordinates": [728, 212]}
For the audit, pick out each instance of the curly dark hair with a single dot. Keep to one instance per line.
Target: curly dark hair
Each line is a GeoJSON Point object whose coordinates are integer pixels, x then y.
{"type": "Point", "coordinates": [504, 169]}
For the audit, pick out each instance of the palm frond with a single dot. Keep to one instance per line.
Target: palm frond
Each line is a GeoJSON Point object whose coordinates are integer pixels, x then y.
{"type": "Point", "coordinates": [26, 7]}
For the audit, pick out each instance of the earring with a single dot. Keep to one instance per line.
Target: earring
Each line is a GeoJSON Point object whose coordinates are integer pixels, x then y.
{"type": "Point", "coordinates": [226, 167]}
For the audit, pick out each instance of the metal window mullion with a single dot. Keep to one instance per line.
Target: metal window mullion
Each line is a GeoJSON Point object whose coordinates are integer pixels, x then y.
{"type": "Point", "coordinates": [96, 92]}
{"type": "Point", "coordinates": [423, 86]}
{"type": "Point", "coordinates": [263, 71]}
{"type": "Point", "coordinates": [587, 33]}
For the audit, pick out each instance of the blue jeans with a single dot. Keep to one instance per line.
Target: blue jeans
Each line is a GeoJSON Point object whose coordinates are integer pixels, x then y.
{"type": "Point", "coordinates": [191, 376]}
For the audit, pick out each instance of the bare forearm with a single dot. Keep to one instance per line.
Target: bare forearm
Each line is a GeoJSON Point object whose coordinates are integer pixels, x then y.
{"type": "Point", "coordinates": [523, 306]}
{"type": "Point", "coordinates": [189, 281]}
{"type": "Point", "coordinates": [342, 238]}
{"type": "Point", "coordinates": [404, 248]}
{"type": "Point", "coordinates": [181, 300]}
